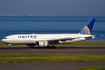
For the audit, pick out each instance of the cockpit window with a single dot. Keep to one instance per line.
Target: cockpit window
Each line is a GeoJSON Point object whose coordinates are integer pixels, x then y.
{"type": "Point", "coordinates": [5, 38]}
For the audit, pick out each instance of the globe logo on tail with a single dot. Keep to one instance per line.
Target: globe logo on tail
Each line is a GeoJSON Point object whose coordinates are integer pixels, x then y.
{"type": "Point", "coordinates": [85, 31]}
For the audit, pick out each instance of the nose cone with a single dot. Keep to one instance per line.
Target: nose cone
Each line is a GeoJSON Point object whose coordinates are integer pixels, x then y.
{"type": "Point", "coordinates": [2, 40]}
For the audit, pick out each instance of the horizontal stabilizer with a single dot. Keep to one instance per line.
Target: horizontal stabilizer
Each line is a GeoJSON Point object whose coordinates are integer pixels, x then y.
{"type": "Point", "coordinates": [87, 38]}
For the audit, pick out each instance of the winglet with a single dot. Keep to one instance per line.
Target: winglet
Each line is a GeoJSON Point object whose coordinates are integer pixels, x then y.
{"type": "Point", "coordinates": [88, 28]}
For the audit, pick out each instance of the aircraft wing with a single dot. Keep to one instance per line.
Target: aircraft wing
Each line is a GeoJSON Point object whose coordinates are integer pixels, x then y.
{"type": "Point", "coordinates": [63, 39]}
{"type": "Point", "coordinates": [69, 38]}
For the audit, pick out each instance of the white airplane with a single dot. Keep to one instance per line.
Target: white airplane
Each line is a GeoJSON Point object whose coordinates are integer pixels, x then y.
{"type": "Point", "coordinates": [42, 40]}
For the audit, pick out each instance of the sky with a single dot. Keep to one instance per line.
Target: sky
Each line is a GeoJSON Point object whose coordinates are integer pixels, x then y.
{"type": "Point", "coordinates": [54, 7]}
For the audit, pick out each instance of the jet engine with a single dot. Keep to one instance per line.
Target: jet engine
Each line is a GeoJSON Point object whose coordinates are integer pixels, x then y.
{"type": "Point", "coordinates": [42, 43]}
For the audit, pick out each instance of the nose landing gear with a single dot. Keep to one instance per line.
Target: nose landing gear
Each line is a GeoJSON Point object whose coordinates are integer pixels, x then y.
{"type": "Point", "coordinates": [9, 45]}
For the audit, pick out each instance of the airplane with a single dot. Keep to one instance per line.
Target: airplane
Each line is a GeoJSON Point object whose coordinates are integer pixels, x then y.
{"type": "Point", "coordinates": [43, 40]}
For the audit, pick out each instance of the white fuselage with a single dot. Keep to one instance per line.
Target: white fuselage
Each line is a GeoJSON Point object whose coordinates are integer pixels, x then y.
{"type": "Point", "coordinates": [33, 38]}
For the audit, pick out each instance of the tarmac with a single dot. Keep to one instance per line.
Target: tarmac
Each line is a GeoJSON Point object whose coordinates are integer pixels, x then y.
{"type": "Point", "coordinates": [51, 66]}
{"type": "Point", "coordinates": [55, 50]}
{"type": "Point", "coordinates": [48, 66]}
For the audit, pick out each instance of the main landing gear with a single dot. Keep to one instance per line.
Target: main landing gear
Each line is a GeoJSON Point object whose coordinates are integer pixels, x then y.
{"type": "Point", "coordinates": [52, 44]}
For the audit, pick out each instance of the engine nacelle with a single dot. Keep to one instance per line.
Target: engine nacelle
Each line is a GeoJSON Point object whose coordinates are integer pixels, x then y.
{"type": "Point", "coordinates": [42, 43]}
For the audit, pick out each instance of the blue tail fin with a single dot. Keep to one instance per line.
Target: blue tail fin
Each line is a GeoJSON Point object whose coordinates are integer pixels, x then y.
{"type": "Point", "coordinates": [88, 28]}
